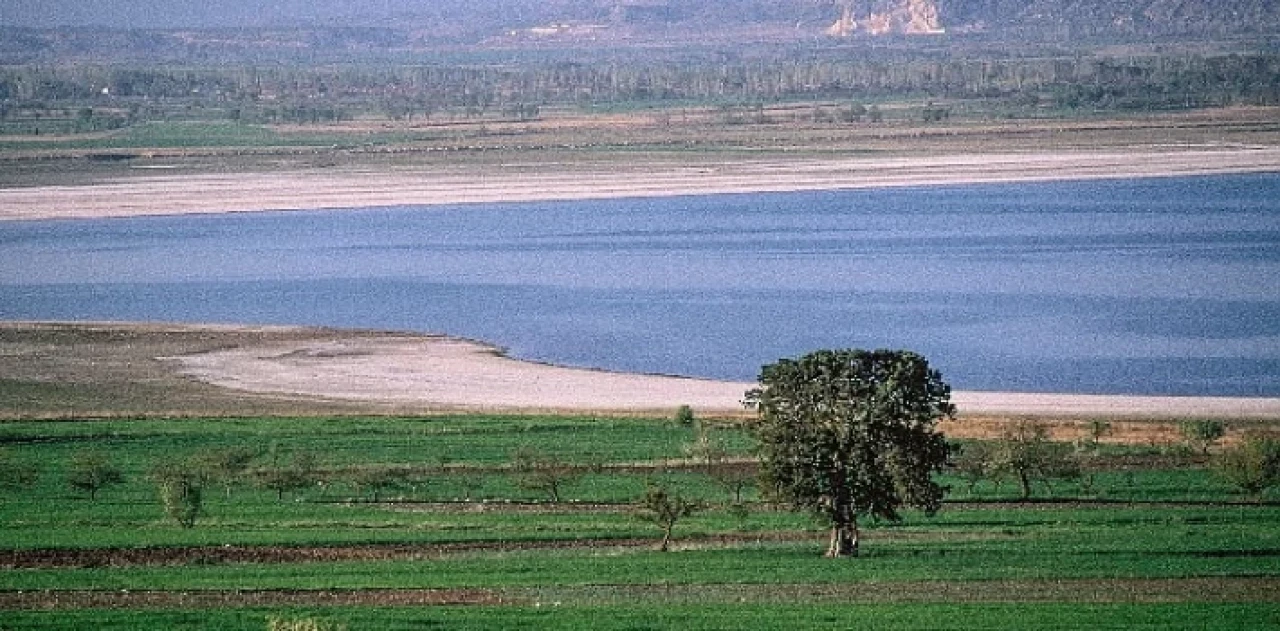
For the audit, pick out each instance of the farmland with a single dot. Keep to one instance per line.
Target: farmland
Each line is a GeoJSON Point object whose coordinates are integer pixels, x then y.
{"type": "Point", "coordinates": [136, 497]}
{"type": "Point", "coordinates": [1155, 538]}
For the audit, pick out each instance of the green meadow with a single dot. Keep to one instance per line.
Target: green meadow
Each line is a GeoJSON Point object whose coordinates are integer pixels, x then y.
{"type": "Point", "coordinates": [459, 540]}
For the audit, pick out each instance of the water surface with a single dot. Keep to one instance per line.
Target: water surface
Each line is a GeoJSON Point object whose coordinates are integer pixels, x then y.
{"type": "Point", "coordinates": [1149, 286]}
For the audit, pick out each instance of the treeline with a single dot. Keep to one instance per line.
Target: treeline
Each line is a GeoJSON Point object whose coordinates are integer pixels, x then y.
{"type": "Point", "coordinates": [310, 94]}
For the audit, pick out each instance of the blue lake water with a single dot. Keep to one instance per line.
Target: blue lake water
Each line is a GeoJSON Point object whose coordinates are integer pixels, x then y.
{"type": "Point", "coordinates": [1151, 286]}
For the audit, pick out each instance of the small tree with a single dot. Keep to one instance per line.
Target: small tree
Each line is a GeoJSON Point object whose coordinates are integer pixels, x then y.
{"type": "Point", "coordinates": [735, 477]}
{"type": "Point", "coordinates": [1253, 465]}
{"type": "Point", "coordinates": [537, 471]}
{"type": "Point", "coordinates": [1203, 433]}
{"type": "Point", "coordinates": [225, 466]}
{"type": "Point", "coordinates": [282, 476]}
{"type": "Point", "coordinates": [377, 479]}
{"type": "Point", "coordinates": [1097, 429]}
{"type": "Point", "coordinates": [14, 474]}
{"type": "Point", "coordinates": [973, 462]}
{"type": "Point", "coordinates": [684, 415]}
{"type": "Point", "coordinates": [706, 449]}
{"type": "Point", "coordinates": [180, 486]}
{"type": "Point", "coordinates": [664, 508]}
{"type": "Point", "coordinates": [712, 454]}
{"type": "Point", "coordinates": [1026, 454]}
{"type": "Point", "coordinates": [92, 471]}
{"type": "Point", "coordinates": [850, 433]}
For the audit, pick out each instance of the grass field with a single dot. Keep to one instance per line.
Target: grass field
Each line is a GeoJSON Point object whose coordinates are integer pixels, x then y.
{"type": "Point", "coordinates": [1157, 541]}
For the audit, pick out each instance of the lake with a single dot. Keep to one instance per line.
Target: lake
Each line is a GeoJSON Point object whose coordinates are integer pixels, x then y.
{"type": "Point", "coordinates": [1149, 286]}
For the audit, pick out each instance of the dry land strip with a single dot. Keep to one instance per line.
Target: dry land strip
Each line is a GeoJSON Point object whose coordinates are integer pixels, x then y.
{"type": "Point", "coordinates": [443, 185]}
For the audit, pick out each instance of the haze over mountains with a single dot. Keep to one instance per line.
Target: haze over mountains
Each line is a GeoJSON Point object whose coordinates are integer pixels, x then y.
{"type": "Point", "coordinates": [480, 19]}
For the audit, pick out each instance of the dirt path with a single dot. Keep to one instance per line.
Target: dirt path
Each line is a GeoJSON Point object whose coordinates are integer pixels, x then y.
{"type": "Point", "coordinates": [179, 556]}
{"type": "Point", "coordinates": [220, 599]}
{"type": "Point", "coordinates": [1199, 590]}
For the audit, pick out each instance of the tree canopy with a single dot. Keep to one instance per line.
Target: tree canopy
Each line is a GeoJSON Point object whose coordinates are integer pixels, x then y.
{"type": "Point", "coordinates": [850, 433]}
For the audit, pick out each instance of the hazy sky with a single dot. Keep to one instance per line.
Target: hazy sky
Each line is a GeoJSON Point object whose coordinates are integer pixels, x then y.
{"type": "Point", "coordinates": [168, 13]}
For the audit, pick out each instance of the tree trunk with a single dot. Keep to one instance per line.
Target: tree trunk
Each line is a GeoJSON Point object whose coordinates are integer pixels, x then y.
{"type": "Point", "coordinates": [1025, 481]}
{"type": "Point", "coordinates": [844, 539]}
{"type": "Point", "coordinates": [666, 539]}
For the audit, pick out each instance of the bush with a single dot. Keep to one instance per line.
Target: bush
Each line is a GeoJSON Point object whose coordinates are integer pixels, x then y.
{"type": "Point", "coordinates": [1203, 434]}
{"type": "Point", "coordinates": [1253, 466]}
{"type": "Point", "coordinates": [181, 491]}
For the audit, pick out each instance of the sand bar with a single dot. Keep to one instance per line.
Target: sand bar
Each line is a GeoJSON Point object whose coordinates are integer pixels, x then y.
{"type": "Point", "coordinates": [447, 373]}
{"type": "Point", "coordinates": [152, 194]}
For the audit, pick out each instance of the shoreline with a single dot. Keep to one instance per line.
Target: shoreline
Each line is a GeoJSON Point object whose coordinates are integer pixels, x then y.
{"type": "Point", "coordinates": [454, 373]}
{"type": "Point", "coordinates": [227, 369]}
{"type": "Point", "coordinates": [351, 188]}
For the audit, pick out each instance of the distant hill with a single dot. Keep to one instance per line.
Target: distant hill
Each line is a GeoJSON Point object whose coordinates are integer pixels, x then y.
{"type": "Point", "coordinates": [1118, 17]}
{"type": "Point", "coordinates": [1028, 17]}
{"type": "Point", "coordinates": [402, 26]}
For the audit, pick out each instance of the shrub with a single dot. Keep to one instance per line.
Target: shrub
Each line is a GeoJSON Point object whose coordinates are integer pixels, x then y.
{"type": "Point", "coordinates": [1203, 434]}
{"type": "Point", "coordinates": [1253, 466]}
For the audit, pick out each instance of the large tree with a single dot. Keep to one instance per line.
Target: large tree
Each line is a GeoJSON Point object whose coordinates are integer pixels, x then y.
{"type": "Point", "coordinates": [851, 433]}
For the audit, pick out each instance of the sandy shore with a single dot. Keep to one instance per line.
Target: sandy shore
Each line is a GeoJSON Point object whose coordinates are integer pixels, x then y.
{"type": "Point", "coordinates": [447, 373]}
{"type": "Point", "coordinates": [355, 188]}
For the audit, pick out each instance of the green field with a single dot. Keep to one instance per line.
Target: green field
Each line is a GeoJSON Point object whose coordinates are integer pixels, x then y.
{"type": "Point", "coordinates": [1156, 541]}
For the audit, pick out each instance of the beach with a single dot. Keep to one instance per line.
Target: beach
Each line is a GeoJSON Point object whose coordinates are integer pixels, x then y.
{"type": "Point", "coordinates": [448, 373]}
{"type": "Point", "coordinates": [188, 369]}
{"type": "Point", "coordinates": [151, 192]}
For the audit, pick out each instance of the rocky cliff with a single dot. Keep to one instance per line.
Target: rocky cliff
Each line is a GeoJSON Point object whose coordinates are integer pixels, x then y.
{"type": "Point", "coordinates": [870, 17]}
{"type": "Point", "coordinates": [884, 17]}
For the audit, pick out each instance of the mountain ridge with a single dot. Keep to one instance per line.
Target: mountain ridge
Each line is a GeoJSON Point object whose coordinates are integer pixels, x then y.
{"type": "Point", "coordinates": [396, 26]}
